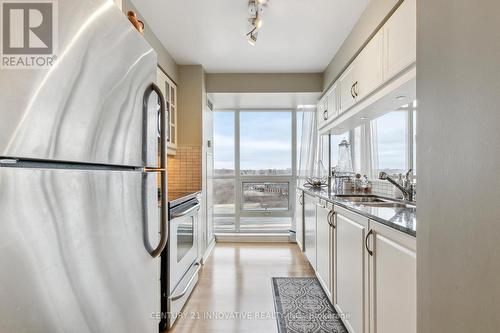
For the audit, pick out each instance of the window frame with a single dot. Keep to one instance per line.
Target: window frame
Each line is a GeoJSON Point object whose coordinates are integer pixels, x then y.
{"type": "Point", "coordinates": [239, 179]}
{"type": "Point", "coordinates": [366, 152]}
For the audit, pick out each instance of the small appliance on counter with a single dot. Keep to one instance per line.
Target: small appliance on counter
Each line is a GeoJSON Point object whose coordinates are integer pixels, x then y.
{"type": "Point", "coordinates": [179, 266]}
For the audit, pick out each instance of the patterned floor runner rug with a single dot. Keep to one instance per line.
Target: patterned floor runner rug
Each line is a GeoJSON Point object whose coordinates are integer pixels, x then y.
{"type": "Point", "coordinates": [302, 306]}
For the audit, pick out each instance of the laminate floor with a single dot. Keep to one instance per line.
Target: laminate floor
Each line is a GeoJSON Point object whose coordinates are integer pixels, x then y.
{"type": "Point", "coordinates": [234, 293]}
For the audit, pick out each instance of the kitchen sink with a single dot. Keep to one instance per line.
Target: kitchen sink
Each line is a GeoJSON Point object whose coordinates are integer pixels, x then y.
{"type": "Point", "coordinates": [388, 204]}
{"type": "Point", "coordinates": [361, 198]}
{"type": "Point", "coordinates": [374, 201]}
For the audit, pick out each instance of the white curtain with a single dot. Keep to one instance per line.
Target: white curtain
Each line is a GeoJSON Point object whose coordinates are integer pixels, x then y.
{"type": "Point", "coordinates": [308, 147]}
{"type": "Point", "coordinates": [365, 156]}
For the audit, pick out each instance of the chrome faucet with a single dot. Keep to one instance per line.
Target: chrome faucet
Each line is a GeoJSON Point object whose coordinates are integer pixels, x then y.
{"type": "Point", "coordinates": [407, 189]}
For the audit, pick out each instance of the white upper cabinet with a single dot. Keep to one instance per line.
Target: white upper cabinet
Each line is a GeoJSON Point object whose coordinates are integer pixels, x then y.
{"type": "Point", "coordinates": [368, 68]}
{"type": "Point", "coordinates": [328, 107]}
{"type": "Point", "coordinates": [347, 82]}
{"type": "Point", "coordinates": [322, 112]}
{"type": "Point", "coordinates": [364, 75]}
{"type": "Point", "coordinates": [400, 39]}
{"type": "Point", "coordinates": [368, 78]}
{"type": "Point", "coordinates": [169, 90]}
{"type": "Point", "coordinates": [333, 102]}
{"type": "Point", "coordinates": [393, 281]}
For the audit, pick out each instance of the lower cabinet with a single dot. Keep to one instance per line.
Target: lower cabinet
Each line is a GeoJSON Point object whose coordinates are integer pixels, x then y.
{"type": "Point", "coordinates": [392, 281]}
{"type": "Point", "coordinates": [367, 269]}
{"type": "Point", "coordinates": [310, 228]}
{"type": "Point", "coordinates": [324, 238]}
{"type": "Point", "coordinates": [299, 219]}
{"type": "Point", "coordinates": [351, 299]}
{"type": "Point", "coordinates": [375, 274]}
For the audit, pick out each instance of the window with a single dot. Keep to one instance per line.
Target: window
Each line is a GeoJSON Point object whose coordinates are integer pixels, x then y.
{"type": "Point", "coordinates": [254, 171]}
{"type": "Point", "coordinates": [356, 149]}
{"type": "Point", "coordinates": [387, 143]}
{"type": "Point", "coordinates": [224, 196]}
{"type": "Point", "coordinates": [266, 143]}
{"type": "Point", "coordinates": [390, 143]}
{"type": "Point", "coordinates": [224, 205]}
{"type": "Point", "coordinates": [224, 143]}
{"type": "Point", "coordinates": [265, 196]}
{"type": "Point", "coordinates": [414, 147]}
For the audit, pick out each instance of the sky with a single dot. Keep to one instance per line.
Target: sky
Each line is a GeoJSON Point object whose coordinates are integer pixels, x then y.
{"type": "Point", "coordinates": [391, 135]}
{"type": "Point", "coordinates": [266, 140]}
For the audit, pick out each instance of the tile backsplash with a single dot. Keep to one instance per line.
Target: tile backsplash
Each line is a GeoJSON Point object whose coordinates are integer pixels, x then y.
{"type": "Point", "coordinates": [184, 169]}
{"type": "Point", "coordinates": [383, 188]}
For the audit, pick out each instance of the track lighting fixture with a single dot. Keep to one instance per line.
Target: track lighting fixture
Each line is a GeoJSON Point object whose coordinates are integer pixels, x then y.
{"type": "Point", "coordinates": [252, 39]}
{"type": "Point", "coordinates": [252, 36]}
{"type": "Point", "coordinates": [255, 11]}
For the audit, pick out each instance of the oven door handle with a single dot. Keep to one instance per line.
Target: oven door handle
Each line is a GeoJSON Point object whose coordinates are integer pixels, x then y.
{"type": "Point", "coordinates": [185, 290]}
{"type": "Point", "coordinates": [185, 212]}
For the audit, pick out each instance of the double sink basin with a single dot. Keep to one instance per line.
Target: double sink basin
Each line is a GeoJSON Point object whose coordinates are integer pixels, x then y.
{"type": "Point", "coordinates": [375, 201]}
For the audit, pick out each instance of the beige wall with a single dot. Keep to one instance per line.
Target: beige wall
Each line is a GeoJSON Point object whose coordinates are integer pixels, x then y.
{"type": "Point", "coordinates": [165, 60]}
{"type": "Point", "coordinates": [458, 161]}
{"type": "Point", "coordinates": [372, 18]}
{"type": "Point", "coordinates": [264, 83]}
{"type": "Point", "coordinates": [190, 98]}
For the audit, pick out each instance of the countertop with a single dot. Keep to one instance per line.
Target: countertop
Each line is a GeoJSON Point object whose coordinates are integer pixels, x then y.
{"type": "Point", "coordinates": [177, 198]}
{"type": "Point", "coordinates": [402, 219]}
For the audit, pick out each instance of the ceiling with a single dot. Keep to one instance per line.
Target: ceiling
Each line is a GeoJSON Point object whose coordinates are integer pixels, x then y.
{"type": "Point", "coordinates": [262, 101]}
{"type": "Point", "coordinates": [297, 36]}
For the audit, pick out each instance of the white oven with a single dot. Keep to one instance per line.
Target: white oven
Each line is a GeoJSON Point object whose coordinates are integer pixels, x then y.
{"type": "Point", "coordinates": [182, 256]}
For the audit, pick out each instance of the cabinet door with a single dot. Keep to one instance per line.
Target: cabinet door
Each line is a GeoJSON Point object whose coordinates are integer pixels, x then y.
{"type": "Point", "coordinates": [169, 91]}
{"type": "Point", "coordinates": [351, 270]}
{"type": "Point", "coordinates": [333, 103]}
{"type": "Point", "coordinates": [393, 284]}
{"type": "Point", "coordinates": [369, 67]}
{"type": "Point", "coordinates": [310, 228]}
{"type": "Point", "coordinates": [299, 219]}
{"type": "Point", "coordinates": [400, 39]}
{"type": "Point", "coordinates": [346, 81]}
{"type": "Point", "coordinates": [323, 246]}
{"type": "Point", "coordinates": [322, 112]}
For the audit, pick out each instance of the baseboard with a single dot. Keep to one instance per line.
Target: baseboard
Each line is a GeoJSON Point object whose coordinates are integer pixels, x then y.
{"type": "Point", "coordinates": [252, 238]}
{"type": "Point", "coordinates": [208, 252]}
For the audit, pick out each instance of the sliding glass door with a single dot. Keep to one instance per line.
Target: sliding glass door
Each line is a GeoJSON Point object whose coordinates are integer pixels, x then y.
{"type": "Point", "coordinates": [255, 157]}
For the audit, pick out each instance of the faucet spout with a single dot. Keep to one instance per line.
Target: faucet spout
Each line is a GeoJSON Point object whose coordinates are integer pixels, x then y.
{"type": "Point", "coordinates": [407, 191]}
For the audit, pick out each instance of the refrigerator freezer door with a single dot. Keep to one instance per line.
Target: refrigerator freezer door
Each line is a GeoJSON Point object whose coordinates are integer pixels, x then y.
{"type": "Point", "coordinates": [88, 107]}
{"type": "Point", "coordinates": [73, 251]}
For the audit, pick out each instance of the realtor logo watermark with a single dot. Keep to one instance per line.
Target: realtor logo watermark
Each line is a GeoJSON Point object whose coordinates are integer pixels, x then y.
{"type": "Point", "coordinates": [28, 34]}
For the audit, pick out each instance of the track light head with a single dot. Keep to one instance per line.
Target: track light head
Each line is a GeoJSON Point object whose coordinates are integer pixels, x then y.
{"type": "Point", "coordinates": [252, 38]}
{"type": "Point", "coordinates": [257, 22]}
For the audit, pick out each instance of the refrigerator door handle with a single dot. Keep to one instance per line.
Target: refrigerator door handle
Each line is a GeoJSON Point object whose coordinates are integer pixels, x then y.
{"type": "Point", "coordinates": [162, 169]}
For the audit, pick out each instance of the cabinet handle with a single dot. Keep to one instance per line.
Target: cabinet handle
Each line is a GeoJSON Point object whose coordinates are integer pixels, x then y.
{"type": "Point", "coordinates": [325, 115]}
{"type": "Point", "coordinates": [352, 92]}
{"type": "Point", "coordinates": [356, 92]}
{"type": "Point", "coordinates": [301, 200]}
{"type": "Point", "coordinates": [370, 252]}
{"type": "Point", "coordinates": [330, 219]}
